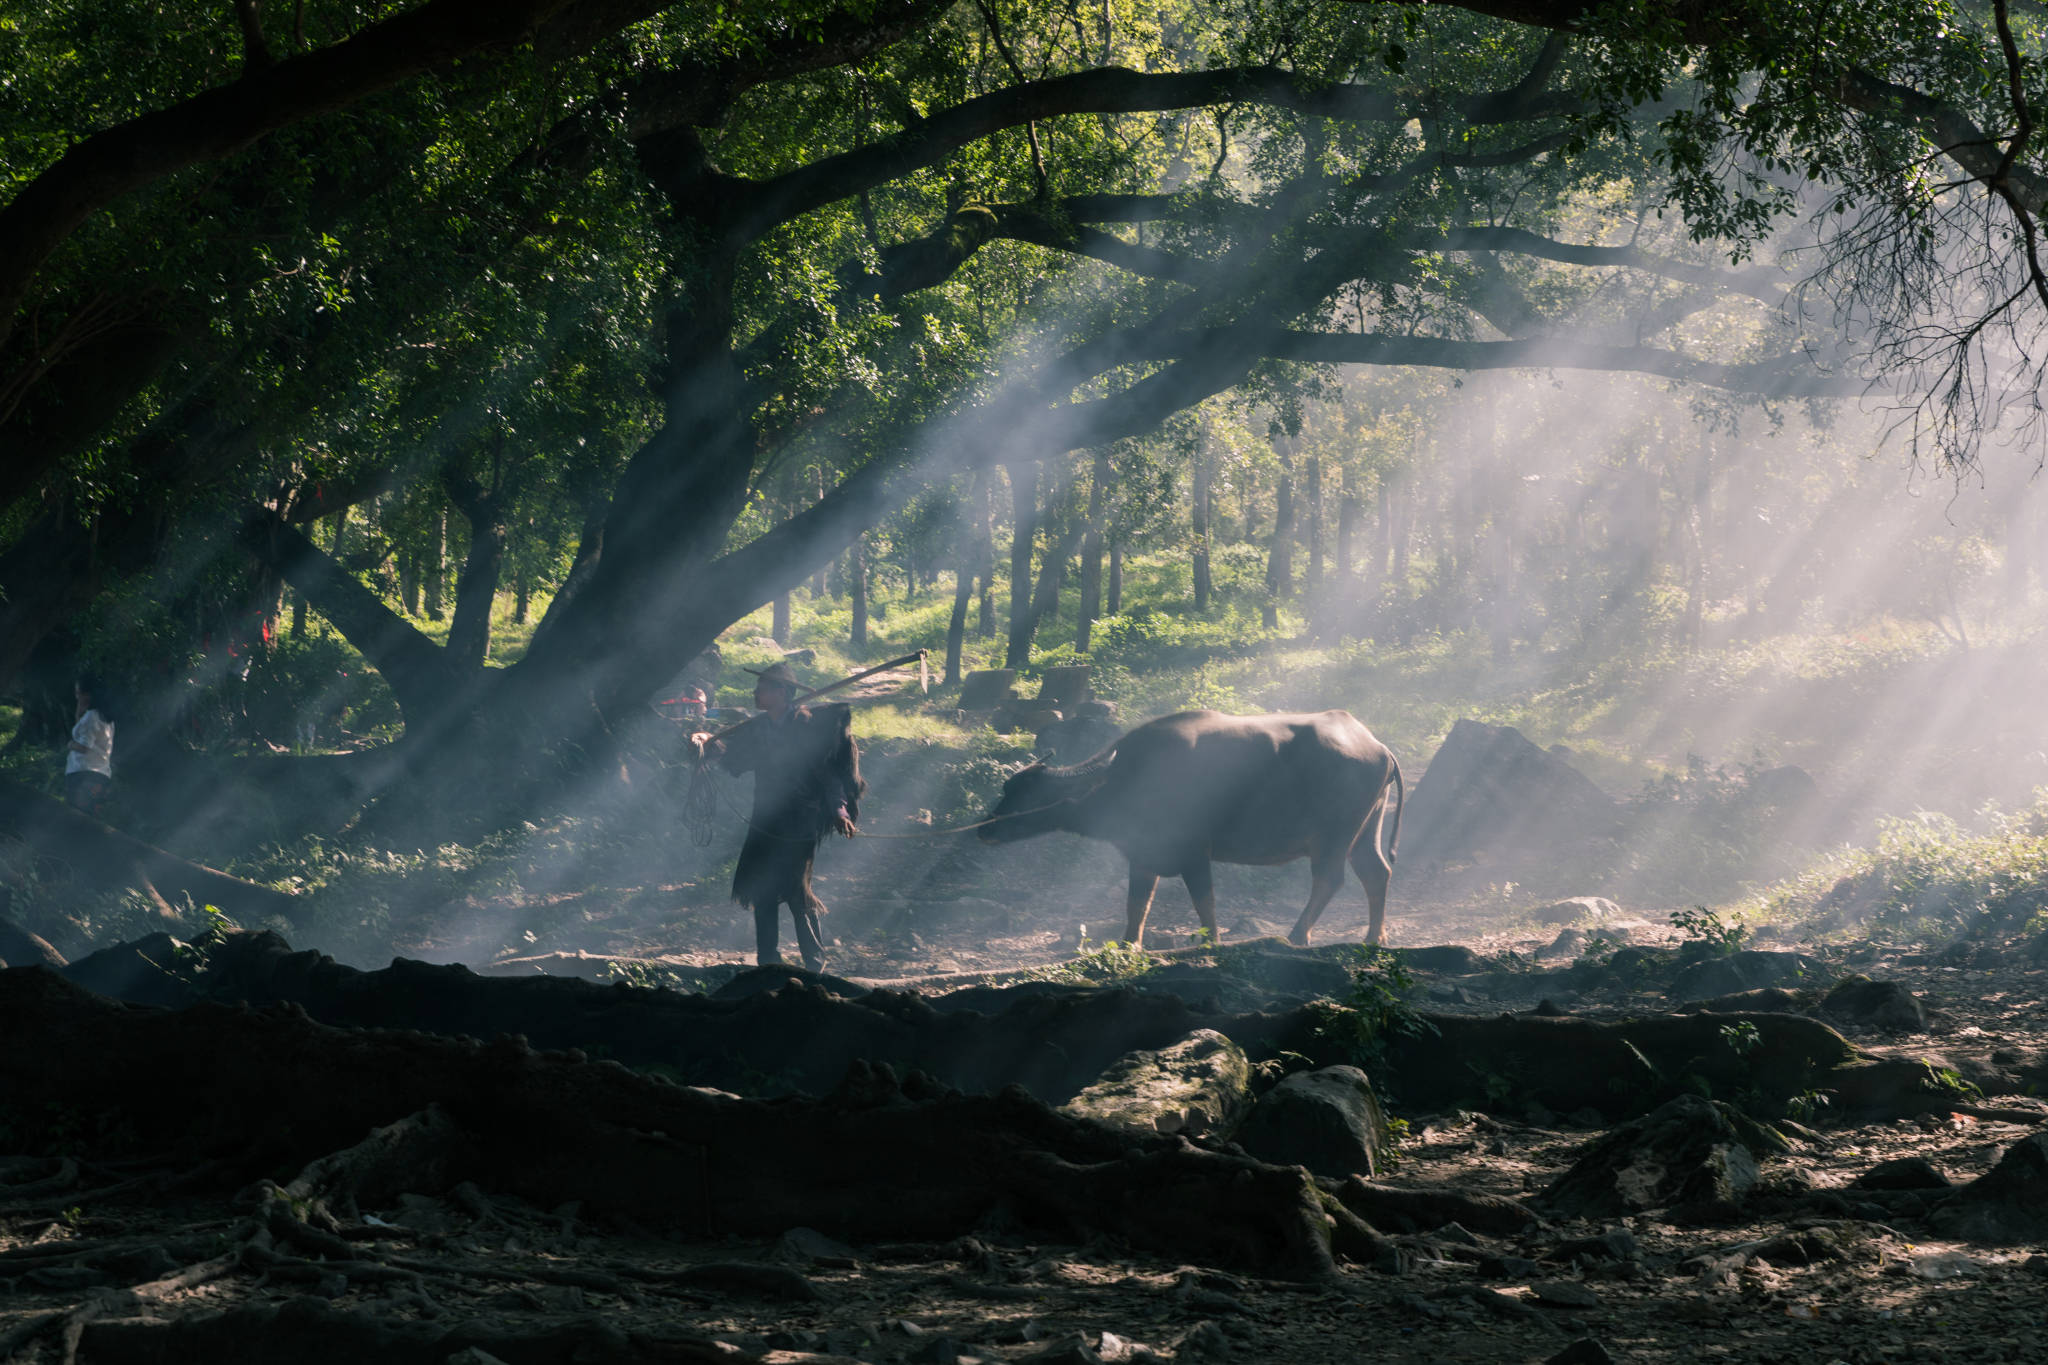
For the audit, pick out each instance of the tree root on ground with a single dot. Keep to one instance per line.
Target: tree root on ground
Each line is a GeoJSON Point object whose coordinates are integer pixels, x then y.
{"type": "Point", "coordinates": [1053, 1044]}
{"type": "Point", "coordinates": [1511, 1061]}
{"type": "Point", "coordinates": [107, 859]}
{"type": "Point", "coordinates": [875, 1160]}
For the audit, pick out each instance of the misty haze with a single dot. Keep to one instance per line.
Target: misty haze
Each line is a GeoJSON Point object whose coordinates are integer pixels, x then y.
{"type": "Point", "coordinates": [674, 683]}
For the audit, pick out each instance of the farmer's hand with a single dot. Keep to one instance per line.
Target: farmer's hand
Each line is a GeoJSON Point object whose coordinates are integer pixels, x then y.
{"type": "Point", "coordinates": [698, 741]}
{"type": "Point", "coordinates": [843, 822]}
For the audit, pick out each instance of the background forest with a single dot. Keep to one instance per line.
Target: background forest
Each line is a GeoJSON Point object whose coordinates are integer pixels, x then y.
{"type": "Point", "coordinates": [392, 455]}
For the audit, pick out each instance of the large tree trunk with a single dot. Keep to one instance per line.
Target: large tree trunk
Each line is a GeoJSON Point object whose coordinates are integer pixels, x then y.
{"type": "Point", "coordinates": [1199, 512]}
{"type": "Point", "coordinates": [956, 625]}
{"type": "Point", "coordinates": [476, 592]}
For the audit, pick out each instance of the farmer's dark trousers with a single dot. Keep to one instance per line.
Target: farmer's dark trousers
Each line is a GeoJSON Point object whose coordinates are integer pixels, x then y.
{"type": "Point", "coordinates": [767, 932]}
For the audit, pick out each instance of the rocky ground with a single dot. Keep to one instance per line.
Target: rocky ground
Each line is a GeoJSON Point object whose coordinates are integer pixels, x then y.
{"type": "Point", "coordinates": [1876, 1286]}
{"type": "Point", "coordinates": [1814, 1271]}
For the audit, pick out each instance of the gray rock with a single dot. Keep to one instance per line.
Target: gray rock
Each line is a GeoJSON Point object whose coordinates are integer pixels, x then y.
{"type": "Point", "coordinates": [1601, 1246]}
{"type": "Point", "coordinates": [1565, 1294]}
{"type": "Point", "coordinates": [1567, 944]}
{"type": "Point", "coordinates": [986, 689]}
{"type": "Point", "coordinates": [1886, 1005]}
{"type": "Point", "coordinates": [1295, 974]}
{"type": "Point", "coordinates": [1329, 1121]}
{"type": "Point", "coordinates": [1686, 1156]}
{"type": "Point", "coordinates": [1751, 969]}
{"type": "Point", "coordinates": [2008, 1203]}
{"type": "Point", "coordinates": [1769, 1000]}
{"type": "Point", "coordinates": [1903, 1173]}
{"type": "Point", "coordinates": [1578, 910]}
{"type": "Point", "coordinates": [1489, 790]}
{"type": "Point", "coordinates": [1584, 1351]}
{"type": "Point", "coordinates": [805, 1246]}
{"type": "Point", "coordinates": [1507, 1268]}
{"type": "Point", "coordinates": [1449, 959]}
{"type": "Point", "coordinates": [1199, 1084]}
{"type": "Point", "coordinates": [1068, 1350]}
{"type": "Point", "coordinates": [20, 948]}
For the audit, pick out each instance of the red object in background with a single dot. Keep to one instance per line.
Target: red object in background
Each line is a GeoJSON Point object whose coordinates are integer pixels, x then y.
{"type": "Point", "coordinates": [690, 703]}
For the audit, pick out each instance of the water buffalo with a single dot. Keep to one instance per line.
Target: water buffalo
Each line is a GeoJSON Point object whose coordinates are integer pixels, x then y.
{"type": "Point", "coordinates": [1183, 791]}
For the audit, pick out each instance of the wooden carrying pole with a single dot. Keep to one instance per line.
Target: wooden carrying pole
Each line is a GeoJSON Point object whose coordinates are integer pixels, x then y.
{"type": "Point", "coordinates": [828, 687]}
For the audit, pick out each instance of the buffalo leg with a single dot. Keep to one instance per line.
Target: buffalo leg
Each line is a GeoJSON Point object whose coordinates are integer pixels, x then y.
{"type": "Point", "coordinates": [1326, 879]}
{"type": "Point", "coordinates": [1374, 872]}
{"type": "Point", "coordinates": [1138, 904]}
{"type": "Point", "coordinates": [1202, 891]}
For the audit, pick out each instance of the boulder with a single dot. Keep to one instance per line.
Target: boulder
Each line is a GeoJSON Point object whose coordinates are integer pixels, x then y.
{"type": "Point", "coordinates": [807, 1246]}
{"type": "Point", "coordinates": [139, 972]}
{"type": "Point", "coordinates": [1767, 1000]}
{"type": "Point", "coordinates": [1098, 709]}
{"type": "Point", "coordinates": [1329, 1121]}
{"type": "Point", "coordinates": [1293, 974]}
{"type": "Point", "coordinates": [2008, 1203]}
{"type": "Point", "coordinates": [1902, 1173]}
{"type": "Point", "coordinates": [1749, 970]}
{"type": "Point", "coordinates": [1566, 944]}
{"type": "Point", "coordinates": [1489, 790]}
{"type": "Point", "coordinates": [1688, 1157]}
{"type": "Point", "coordinates": [1199, 1084]}
{"type": "Point", "coordinates": [1066, 686]}
{"type": "Point", "coordinates": [20, 948]}
{"type": "Point", "coordinates": [1578, 910]}
{"type": "Point", "coordinates": [986, 689]}
{"type": "Point", "coordinates": [1450, 959]}
{"type": "Point", "coordinates": [1886, 1005]}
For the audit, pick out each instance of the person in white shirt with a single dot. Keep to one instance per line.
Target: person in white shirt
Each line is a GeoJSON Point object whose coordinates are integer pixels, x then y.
{"type": "Point", "coordinates": [89, 770]}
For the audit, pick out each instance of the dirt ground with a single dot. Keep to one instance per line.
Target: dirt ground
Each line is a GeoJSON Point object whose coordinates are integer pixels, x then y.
{"type": "Point", "coordinates": [1692, 1294]}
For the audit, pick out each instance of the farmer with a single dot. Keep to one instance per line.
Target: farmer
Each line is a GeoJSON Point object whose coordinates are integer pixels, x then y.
{"type": "Point", "coordinates": [806, 783]}
{"type": "Point", "coordinates": [89, 758]}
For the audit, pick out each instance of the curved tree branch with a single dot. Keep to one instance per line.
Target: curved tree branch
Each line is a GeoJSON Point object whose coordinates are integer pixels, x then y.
{"type": "Point", "coordinates": [224, 120]}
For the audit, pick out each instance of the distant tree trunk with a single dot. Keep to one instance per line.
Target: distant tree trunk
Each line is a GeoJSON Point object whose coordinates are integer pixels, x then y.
{"type": "Point", "coordinates": [298, 615]}
{"type": "Point", "coordinates": [1315, 531]}
{"type": "Point", "coordinates": [1200, 526]}
{"type": "Point", "coordinates": [778, 619]}
{"type": "Point", "coordinates": [1023, 525]}
{"type": "Point", "coordinates": [985, 555]}
{"type": "Point", "coordinates": [409, 581]}
{"type": "Point", "coordinates": [437, 553]}
{"type": "Point", "coordinates": [857, 588]}
{"type": "Point", "coordinates": [956, 629]}
{"type": "Point", "coordinates": [1398, 527]}
{"type": "Point", "coordinates": [1116, 578]}
{"type": "Point", "coordinates": [818, 579]}
{"type": "Point", "coordinates": [522, 594]}
{"type": "Point", "coordinates": [1280, 559]}
{"type": "Point", "coordinates": [1347, 527]}
{"type": "Point", "coordinates": [1091, 555]}
{"type": "Point", "coordinates": [1383, 530]}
